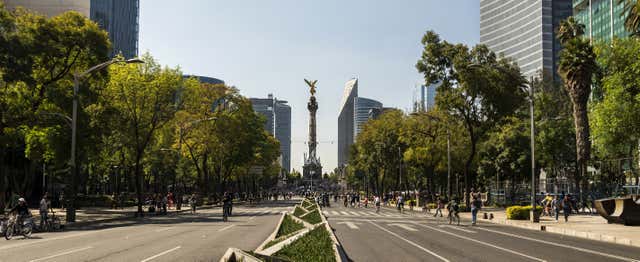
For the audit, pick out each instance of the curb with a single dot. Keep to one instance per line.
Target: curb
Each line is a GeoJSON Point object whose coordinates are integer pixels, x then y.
{"type": "Point", "coordinates": [568, 232]}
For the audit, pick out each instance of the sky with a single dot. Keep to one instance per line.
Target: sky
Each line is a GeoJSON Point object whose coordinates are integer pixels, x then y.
{"type": "Point", "coordinates": [270, 46]}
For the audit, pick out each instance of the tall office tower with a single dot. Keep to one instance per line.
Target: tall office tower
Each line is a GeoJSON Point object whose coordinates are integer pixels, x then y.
{"type": "Point", "coordinates": [524, 30]}
{"type": "Point", "coordinates": [51, 8]}
{"type": "Point", "coordinates": [278, 124]}
{"type": "Point", "coordinates": [346, 121]}
{"type": "Point", "coordinates": [120, 19]}
{"type": "Point", "coordinates": [364, 110]}
{"type": "Point", "coordinates": [603, 19]}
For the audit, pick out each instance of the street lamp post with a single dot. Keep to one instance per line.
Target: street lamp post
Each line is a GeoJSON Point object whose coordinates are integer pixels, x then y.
{"type": "Point", "coordinates": [77, 78]}
{"type": "Point", "coordinates": [534, 218]}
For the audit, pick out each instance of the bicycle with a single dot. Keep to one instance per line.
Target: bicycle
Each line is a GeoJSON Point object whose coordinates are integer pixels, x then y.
{"type": "Point", "coordinates": [52, 223]}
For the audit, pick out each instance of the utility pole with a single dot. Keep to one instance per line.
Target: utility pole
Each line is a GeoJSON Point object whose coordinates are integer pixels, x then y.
{"type": "Point", "coordinates": [533, 216]}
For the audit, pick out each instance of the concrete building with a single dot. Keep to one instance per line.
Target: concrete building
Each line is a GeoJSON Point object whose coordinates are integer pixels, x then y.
{"type": "Point", "coordinates": [118, 17]}
{"type": "Point", "coordinates": [424, 98]}
{"type": "Point", "coordinates": [603, 19]}
{"type": "Point", "coordinates": [278, 124]}
{"type": "Point", "coordinates": [524, 31]}
{"type": "Point", "coordinates": [364, 109]}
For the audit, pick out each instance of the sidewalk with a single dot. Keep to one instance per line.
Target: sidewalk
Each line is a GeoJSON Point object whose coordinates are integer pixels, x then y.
{"type": "Point", "coordinates": [592, 227]}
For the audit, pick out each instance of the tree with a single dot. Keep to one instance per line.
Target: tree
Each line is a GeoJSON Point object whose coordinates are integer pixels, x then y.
{"type": "Point", "coordinates": [476, 87]}
{"type": "Point", "coordinates": [577, 66]}
{"type": "Point", "coordinates": [144, 98]}
{"type": "Point", "coordinates": [614, 118]}
{"type": "Point", "coordinates": [632, 11]}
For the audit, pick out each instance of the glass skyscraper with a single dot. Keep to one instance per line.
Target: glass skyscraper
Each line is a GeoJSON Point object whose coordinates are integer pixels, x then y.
{"type": "Point", "coordinates": [278, 124]}
{"type": "Point", "coordinates": [346, 121]}
{"type": "Point", "coordinates": [355, 111]}
{"type": "Point", "coordinates": [603, 19]}
{"type": "Point", "coordinates": [364, 109]}
{"type": "Point", "coordinates": [120, 19]}
{"type": "Point", "coordinates": [524, 31]}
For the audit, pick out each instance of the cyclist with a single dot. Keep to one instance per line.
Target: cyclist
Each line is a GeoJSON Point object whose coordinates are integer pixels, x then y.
{"type": "Point", "coordinates": [453, 207]}
{"type": "Point", "coordinates": [21, 210]}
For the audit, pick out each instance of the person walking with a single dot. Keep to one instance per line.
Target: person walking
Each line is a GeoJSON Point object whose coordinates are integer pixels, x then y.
{"type": "Point", "coordinates": [555, 205]}
{"type": "Point", "coordinates": [453, 208]}
{"type": "Point", "coordinates": [61, 200]}
{"type": "Point", "coordinates": [400, 203]}
{"type": "Point", "coordinates": [376, 200]}
{"type": "Point", "coordinates": [193, 201]}
{"type": "Point", "coordinates": [44, 210]}
{"type": "Point", "coordinates": [476, 204]}
{"type": "Point", "coordinates": [439, 206]}
{"type": "Point", "coordinates": [567, 207]}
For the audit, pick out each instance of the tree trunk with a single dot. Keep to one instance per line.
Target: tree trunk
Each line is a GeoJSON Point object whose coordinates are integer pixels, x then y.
{"type": "Point", "coordinates": [138, 181]}
{"type": "Point", "coordinates": [583, 143]}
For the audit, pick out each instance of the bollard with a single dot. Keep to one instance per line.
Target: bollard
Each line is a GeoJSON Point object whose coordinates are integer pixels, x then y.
{"type": "Point", "coordinates": [485, 215]}
{"type": "Point", "coordinates": [543, 228]}
{"type": "Point", "coordinates": [490, 216]}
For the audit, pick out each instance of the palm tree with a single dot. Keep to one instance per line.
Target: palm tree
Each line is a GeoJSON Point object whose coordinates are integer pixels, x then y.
{"type": "Point", "coordinates": [632, 10]}
{"type": "Point", "coordinates": [576, 67]}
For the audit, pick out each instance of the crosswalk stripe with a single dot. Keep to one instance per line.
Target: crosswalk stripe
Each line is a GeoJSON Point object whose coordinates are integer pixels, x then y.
{"type": "Point", "coordinates": [335, 213]}
{"type": "Point", "coordinates": [345, 213]}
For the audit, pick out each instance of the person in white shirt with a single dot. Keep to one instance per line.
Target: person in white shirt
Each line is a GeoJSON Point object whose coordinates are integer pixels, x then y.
{"type": "Point", "coordinates": [44, 210]}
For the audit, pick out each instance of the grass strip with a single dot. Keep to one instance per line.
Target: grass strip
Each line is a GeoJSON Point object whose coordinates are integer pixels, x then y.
{"type": "Point", "coordinates": [299, 211]}
{"type": "Point", "coordinates": [314, 246]}
{"type": "Point", "coordinates": [313, 217]}
{"type": "Point", "coordinates": [288, 226]}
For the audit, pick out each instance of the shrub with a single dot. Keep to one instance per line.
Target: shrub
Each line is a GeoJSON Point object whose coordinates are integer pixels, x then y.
{"type": "Point", "coordinates": [299, 211]}
{"type": "Point", "coordinates": [314, 246]}
{"type": "Point", "coordinates": [288, 226]}
{"type": "Point", "coordinates": [520, 212]}
{"type": "Point", "coordinates": [313, 217]}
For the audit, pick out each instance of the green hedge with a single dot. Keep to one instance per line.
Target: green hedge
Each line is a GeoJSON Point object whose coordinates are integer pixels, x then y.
{"type": "Point", "coordinates": [313, 217]}
{"type": "Point", "coordinates": [314, 246]}
{"type": "Point", "coordinates": [298, 211]}
{"type": "Point", "coordinates": [288, 226]}
{"type": "Point", "coordinates": [520, 212]}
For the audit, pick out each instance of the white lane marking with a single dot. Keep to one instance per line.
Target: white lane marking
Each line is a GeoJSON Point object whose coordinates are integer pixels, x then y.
{"type": "Point", "coordinates": [458, 228]}
{"type": "Point", "coordinates": [163, 229]}
{"type": "Point", "coordinates": [351, 225]}
{"type": "Point", "coordinates": [410, 242]}
{"type": "Point", "coordinates": [483, 243]}
{"type": "Point", "coordinates": [344, 213]}
{"type": "Point", "coordinates": [560, 245]}
{"type": "Point", "coordinates": [335, 213]}
{"type": "Point", "coordinates": [354, 213]}
{"type": "Point", "coordinates": [47, 239]}
{"type": "Point", "coordinates": [403, 226]}
{"type": "Point", "coordinates": [251, 218]}
{"type": "Point", "coordinates": [61, 254]}
{"type": "Point", "coordinates": [160, 254]}
{"type": "Point", "coordinates": [225, 228]}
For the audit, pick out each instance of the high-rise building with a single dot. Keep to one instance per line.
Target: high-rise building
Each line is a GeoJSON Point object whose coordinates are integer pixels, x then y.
{"type": "Point", "coordinates": [524, 30]}
{"type": "Point", "coordinates": [51, 8]}
{"type": "Point", "coordinates": [205, 79]}
{"type": "Point", "coordinates": [346, 122]}
{"type": "Point", "coordinates": [278, 124]}
{"type": "Point", "coordinates": [355, 111]}
{"type": "Point", "coordinates": [364, 109]}
{"type": "Point", "coordinates": [603, 19]}
{"type": "Point", "coordinates": [118, 17]}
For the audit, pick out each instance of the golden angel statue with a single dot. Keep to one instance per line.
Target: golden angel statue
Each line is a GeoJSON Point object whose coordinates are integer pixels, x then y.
{"type": "Point", "coordinates": [312, 85]}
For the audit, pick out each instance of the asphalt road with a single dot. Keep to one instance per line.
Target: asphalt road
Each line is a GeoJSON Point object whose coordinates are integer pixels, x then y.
{"type": "Point", "coordinates": [200, 237]}
{"type": "Point", "coordinates": [390, 236]}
